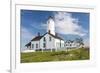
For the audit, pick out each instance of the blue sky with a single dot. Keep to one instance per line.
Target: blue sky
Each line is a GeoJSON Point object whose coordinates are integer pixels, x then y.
{"type": "Point", "coordinates": [75, 24]}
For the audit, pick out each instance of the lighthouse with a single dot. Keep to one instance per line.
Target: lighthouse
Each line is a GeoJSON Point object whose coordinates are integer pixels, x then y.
{"type": "Point", "coordinates": [51, 25]}
{"type": "Point", "coordinates": [48, 41]}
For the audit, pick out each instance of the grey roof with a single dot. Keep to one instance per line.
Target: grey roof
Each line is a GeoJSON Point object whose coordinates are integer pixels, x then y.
{"type": "Point", "coordinates": [28, 44]}
{"type": "Point", "coordinates": [37, 38]}
{"type": "Point", "coordinates": [56, 36]}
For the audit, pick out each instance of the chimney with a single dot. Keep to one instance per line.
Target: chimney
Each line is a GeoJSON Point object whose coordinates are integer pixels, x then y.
{"type": "Point", "coordinates": [49, 31]}
{"type": "Point", "coordinates": [38, 33]}
{"type": "Point", "coordinates": [56, 34]}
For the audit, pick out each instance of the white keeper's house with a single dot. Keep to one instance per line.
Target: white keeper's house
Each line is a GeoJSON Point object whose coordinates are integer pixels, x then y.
{"type": "Point", "coordinates": [47, 41]}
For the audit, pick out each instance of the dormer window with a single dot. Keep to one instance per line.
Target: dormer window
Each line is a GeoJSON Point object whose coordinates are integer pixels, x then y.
{"type": "Point", "coordinates": [36, 45]}
{"type": "Point", "coordinates": [32, 45]}
{"type": "Point", "coordinates": [50, 38]}
{"type": "Point", "coordinates": [44, 39]}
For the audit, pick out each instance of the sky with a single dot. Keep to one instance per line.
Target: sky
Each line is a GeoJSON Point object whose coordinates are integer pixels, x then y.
{"type": "Point", "coordinates": [69, 25]}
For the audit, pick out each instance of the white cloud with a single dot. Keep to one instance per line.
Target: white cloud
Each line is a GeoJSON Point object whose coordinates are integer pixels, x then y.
{"type": "Point", "coordinates": [25, 33]}
{"type": "Point", "coordinates": [44, 26]}
{"type": "Point", "coordinates": [66, 24]}
{"type": "Point", "coordinates": [41, 26]}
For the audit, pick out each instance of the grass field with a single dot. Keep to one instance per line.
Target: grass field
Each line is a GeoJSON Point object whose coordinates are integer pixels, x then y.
{"type": "Point", "coordinates": [77, 54]}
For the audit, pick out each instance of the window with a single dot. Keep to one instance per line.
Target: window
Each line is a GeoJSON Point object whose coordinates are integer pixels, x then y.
{"type": "Point", "coordinates": [36, 45]}
{"type": "Point", "coordinates": [49, 38]}
{"type": "Point", "coordinates": [32, 45]}
{"type": "Point", "coordinates": [60, 44]}
{"type": "Point", "coordinates": [44, 45]}
{"type": "Point", "coordinates": [44, 39]}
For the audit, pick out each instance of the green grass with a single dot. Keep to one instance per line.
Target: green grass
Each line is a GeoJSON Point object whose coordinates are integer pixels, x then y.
{"type": "Point", "coordinates": [77, 54]}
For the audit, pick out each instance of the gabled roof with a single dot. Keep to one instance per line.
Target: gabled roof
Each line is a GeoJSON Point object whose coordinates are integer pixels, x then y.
{"type": "Point", "coordinates": [37, 38]}
{"type": "Point", "coordinates": [70, 41]}
{"type": "Point", "coordinates": [55, 36]}
{"type": "Point", "coordinates": [28, 44]}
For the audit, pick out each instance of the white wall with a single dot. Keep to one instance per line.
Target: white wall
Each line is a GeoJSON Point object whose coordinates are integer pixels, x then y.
{"type": "Point", "coordinates": [57, 43]}
{"type": "Point", "coordinates": [49, 44]}
{"type": "Point", "coordinates": [35, 42]}
{"type": "Point", "coordinates": [71, 45]}
{"type": "Point", "coordinates": [62, 43]}
{"type": "Point", "coordinates": [53, 44]}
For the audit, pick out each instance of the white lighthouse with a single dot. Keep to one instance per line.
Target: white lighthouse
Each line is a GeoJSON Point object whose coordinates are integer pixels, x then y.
{"type": "Point", "coordinates": [48, 41]}
{"type": "Point", "coordinates": [51, 25]}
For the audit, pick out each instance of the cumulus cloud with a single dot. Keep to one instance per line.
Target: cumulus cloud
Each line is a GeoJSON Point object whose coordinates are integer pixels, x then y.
{"type": "Point", "coordinates": [40, 26]}
{"type": "Point", "coordinates": [25, 33]}
{"type": "Point", "coordinates": [66, 24]}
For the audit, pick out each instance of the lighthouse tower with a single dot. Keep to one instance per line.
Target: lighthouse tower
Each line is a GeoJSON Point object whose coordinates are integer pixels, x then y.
{"type": "Point", "coordinates": [51, 25]}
